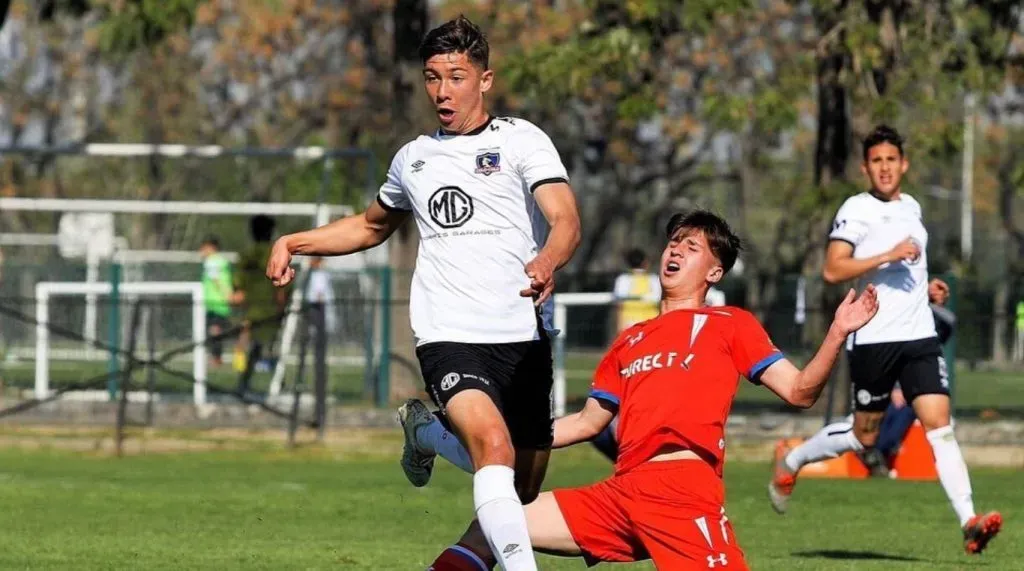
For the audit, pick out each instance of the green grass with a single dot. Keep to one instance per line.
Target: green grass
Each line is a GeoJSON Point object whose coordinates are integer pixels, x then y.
{"type": "Point", "coordinates": [265, 508]}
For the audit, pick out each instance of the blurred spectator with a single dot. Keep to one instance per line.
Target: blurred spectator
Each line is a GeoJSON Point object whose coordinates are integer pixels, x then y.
{"type": "Point", "coordinates": [262, 304]}
{"type": "Point", "coordinates": [1018, 345]}
{"type": "Point", "coordinates": [638, 292]}
{"type": "Point", "coordinates": [321, 291]}
{"type": "Point", "coordinates": [217, 291]}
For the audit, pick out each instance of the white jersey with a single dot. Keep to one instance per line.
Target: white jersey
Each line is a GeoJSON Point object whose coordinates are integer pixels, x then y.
{"type": "Point", "coordinates": [874, 227]}
{"type": "Point", "coordinates": [472, 198]}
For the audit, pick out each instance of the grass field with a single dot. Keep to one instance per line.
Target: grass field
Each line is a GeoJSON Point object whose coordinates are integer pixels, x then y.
{"type": "Point", "coordinates": [347, 506]}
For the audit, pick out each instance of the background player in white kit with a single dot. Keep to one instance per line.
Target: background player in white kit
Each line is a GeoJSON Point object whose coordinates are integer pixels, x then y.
{"type": "Point", "coordinates": [879, 238]}
{"type": "Point", "coordinates": [483, 191]}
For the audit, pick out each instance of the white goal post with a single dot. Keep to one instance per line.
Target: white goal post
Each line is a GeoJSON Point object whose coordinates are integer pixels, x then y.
{"type": "Point", "coordinates": [561, 324]}
{"type": "Point", "coordinates": [46, 290]}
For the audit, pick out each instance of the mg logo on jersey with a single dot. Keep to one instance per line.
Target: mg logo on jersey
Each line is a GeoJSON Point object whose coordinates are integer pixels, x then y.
{"type": "Point", "coordinates": [450, 207]}
{"type": "Point", "coordinates": [487, 163]}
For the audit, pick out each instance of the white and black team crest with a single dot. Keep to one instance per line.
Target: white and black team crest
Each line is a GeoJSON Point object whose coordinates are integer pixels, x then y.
{"type": "Point", "coordinates": [450, 207]}
{"type": "Point", "coordinates": [449, 381]}
{"type": "Point", "coordinates": [488, 163]}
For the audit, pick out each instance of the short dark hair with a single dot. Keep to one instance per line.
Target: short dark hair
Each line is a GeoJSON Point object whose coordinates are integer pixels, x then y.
{"type": "Point", "coordinates": [883, 134]}
{"type": "Point", "coordinates": [457, 36]}
{"type": "Point", "coordinates": [725, 244]}
{"type": "Point", "coordinates": [211, 240]}
{"type": "Point", "coordinates": [635, 258]}
{"type": "Point", "coordinates": [261, 227]}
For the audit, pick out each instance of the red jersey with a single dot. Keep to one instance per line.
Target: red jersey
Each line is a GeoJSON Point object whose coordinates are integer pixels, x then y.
{"type": "Point", "coordinates": [674, 379]}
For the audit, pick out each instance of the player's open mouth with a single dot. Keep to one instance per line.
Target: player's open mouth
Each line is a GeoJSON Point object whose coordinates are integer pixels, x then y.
{"type": "Point", "coordinates": [671, 268]}
{"type": "Point", "coordinates": [446, 114]}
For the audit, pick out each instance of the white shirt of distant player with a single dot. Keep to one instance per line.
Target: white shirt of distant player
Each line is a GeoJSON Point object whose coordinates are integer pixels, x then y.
{"type": "Point", "coordinates": [321, 290]}
{"type": "Point", "coordinates": [874, 227]}
{"type": "Point", "coordinates": [472, 198]}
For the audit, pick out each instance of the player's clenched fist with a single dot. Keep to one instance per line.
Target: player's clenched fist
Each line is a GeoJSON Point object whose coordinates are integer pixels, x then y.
{"type": "Point", "coordinates": [938, 291]}
{"type": "Point", "coordinates": [906, 250]}
{"type": "Point", "coordinates": [279, 269]}
{"type": "Point", "coordinates": [541, 272]}
{"type": "Point", "coordinates": [855, 312]}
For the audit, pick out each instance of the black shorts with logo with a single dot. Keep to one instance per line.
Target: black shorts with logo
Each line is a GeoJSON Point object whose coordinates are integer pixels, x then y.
{"type": "Point", "coordinates": [517, 376]}
{"type": "Point", "coordinates": [918, 366]}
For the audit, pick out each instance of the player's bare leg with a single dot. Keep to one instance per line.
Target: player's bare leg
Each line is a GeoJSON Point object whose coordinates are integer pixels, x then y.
{"type": "Point", "coordinates": [933, 410]}
{"type": "Point", "coordinates": [548, 530]}
{"type": "Point", "coordinates": [531, 467]}
{"type": "Point", "coordinates": [829, 442]}
{"type": "Point", "coordinates": [481, 428]}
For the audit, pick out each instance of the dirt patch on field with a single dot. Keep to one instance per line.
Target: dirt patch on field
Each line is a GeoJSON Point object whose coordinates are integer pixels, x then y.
{"type": "Point", "coordinates": [345, 441]}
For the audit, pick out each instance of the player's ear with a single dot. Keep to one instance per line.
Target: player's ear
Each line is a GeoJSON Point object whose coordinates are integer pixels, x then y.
{"type": "Point", "coordinates": [486, 80]}
{"type": "Point", "coordinates": [715, 274]}
{"type": "Point", "coordinates": [904, 164]}
{"type": "Point", "coordinates": [864, 168]}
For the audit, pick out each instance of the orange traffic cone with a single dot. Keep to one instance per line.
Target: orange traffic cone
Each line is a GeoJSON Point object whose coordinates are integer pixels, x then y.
{"type": "Point", "coordinates": [914, 460]}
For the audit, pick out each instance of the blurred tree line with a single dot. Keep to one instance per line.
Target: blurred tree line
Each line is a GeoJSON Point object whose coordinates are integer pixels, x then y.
{"type": "Point", "coordinates": [754, 108]}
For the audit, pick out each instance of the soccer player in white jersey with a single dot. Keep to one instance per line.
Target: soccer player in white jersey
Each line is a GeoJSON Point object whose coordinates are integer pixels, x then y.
{"type": "Point", "coordinates": [878, 238]}
{"type": "Point", "coordinates": [496, 218]}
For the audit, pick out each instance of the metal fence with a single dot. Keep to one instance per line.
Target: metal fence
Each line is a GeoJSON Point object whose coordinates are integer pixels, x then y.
{"type": "Point", "coordinates": [989, 374]}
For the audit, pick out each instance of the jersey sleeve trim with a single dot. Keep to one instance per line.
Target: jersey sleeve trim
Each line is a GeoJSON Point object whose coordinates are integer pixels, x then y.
{"type": "Point", "coordinates": [605, 396]}
{"type": "Point", "coordinates": [838, 239]}
{"type": "Point", "coordinates": [542, 182]}
{"type": "Point", "coordinates": [388, 207]}
{"type": "Point", "coordinates": [760, 366]}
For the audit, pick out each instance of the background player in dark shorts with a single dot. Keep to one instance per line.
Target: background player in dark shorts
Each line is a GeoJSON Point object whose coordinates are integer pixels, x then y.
{"type": "Point", "coordinates": [878, 237]}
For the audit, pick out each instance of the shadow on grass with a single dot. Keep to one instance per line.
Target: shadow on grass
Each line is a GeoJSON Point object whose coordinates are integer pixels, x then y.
{"type": "Point", "coordinates": [846, 555]}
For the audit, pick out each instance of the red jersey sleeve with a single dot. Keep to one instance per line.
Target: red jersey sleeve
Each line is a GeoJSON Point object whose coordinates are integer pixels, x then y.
{"type": "Point", "coordinates": [607, 383]}
{"type": "Point", "coordinates": [752, 348]}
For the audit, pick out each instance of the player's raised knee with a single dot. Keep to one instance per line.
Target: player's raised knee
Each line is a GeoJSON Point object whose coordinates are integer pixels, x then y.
{"type": "Point", "coordinates": [491, 445]}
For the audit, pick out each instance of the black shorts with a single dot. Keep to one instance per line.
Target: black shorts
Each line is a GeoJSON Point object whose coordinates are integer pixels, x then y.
{"type": "Point", "coordinates": [918, 366]}
{"type": "Point", "coordinates": [517, 376]}
{"type": "Point", "coordinates": [215, 319]}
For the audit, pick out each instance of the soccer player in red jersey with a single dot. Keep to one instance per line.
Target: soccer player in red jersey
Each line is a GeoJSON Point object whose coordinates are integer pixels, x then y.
{"type": "Point", "coordinates": [672, 380]}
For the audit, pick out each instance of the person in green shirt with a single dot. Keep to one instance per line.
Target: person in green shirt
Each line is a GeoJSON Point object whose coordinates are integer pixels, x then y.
{"type": "Point", "coordinates": [262, 304]}
{"type": "Point", "coordinates": [217, 291]}
{"type": "Point", "coordinates": [1018, 346]}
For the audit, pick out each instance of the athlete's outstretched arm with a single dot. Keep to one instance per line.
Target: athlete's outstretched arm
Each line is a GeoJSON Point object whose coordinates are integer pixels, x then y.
{"type": "Point", "coordinates": [345, 236]}
{"type": "Point", "coordinates": [803, 387]}
{"type": "Point", "coordinates": [558, 204]}
{"type": "Point", "coordinates": [840, 265]}
{"type": "Point", "coordinates": [585, 424]}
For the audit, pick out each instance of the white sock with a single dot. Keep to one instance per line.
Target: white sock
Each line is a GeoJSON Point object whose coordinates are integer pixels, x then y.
{"type": "Point", "coordinates": [502, 518]}
{"type": "Point", "coordinates": [829, 442]}
{"type": "Point", "coordinates": [434, 438]}
{"type": "Point", "coordinates": [949, 463]}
